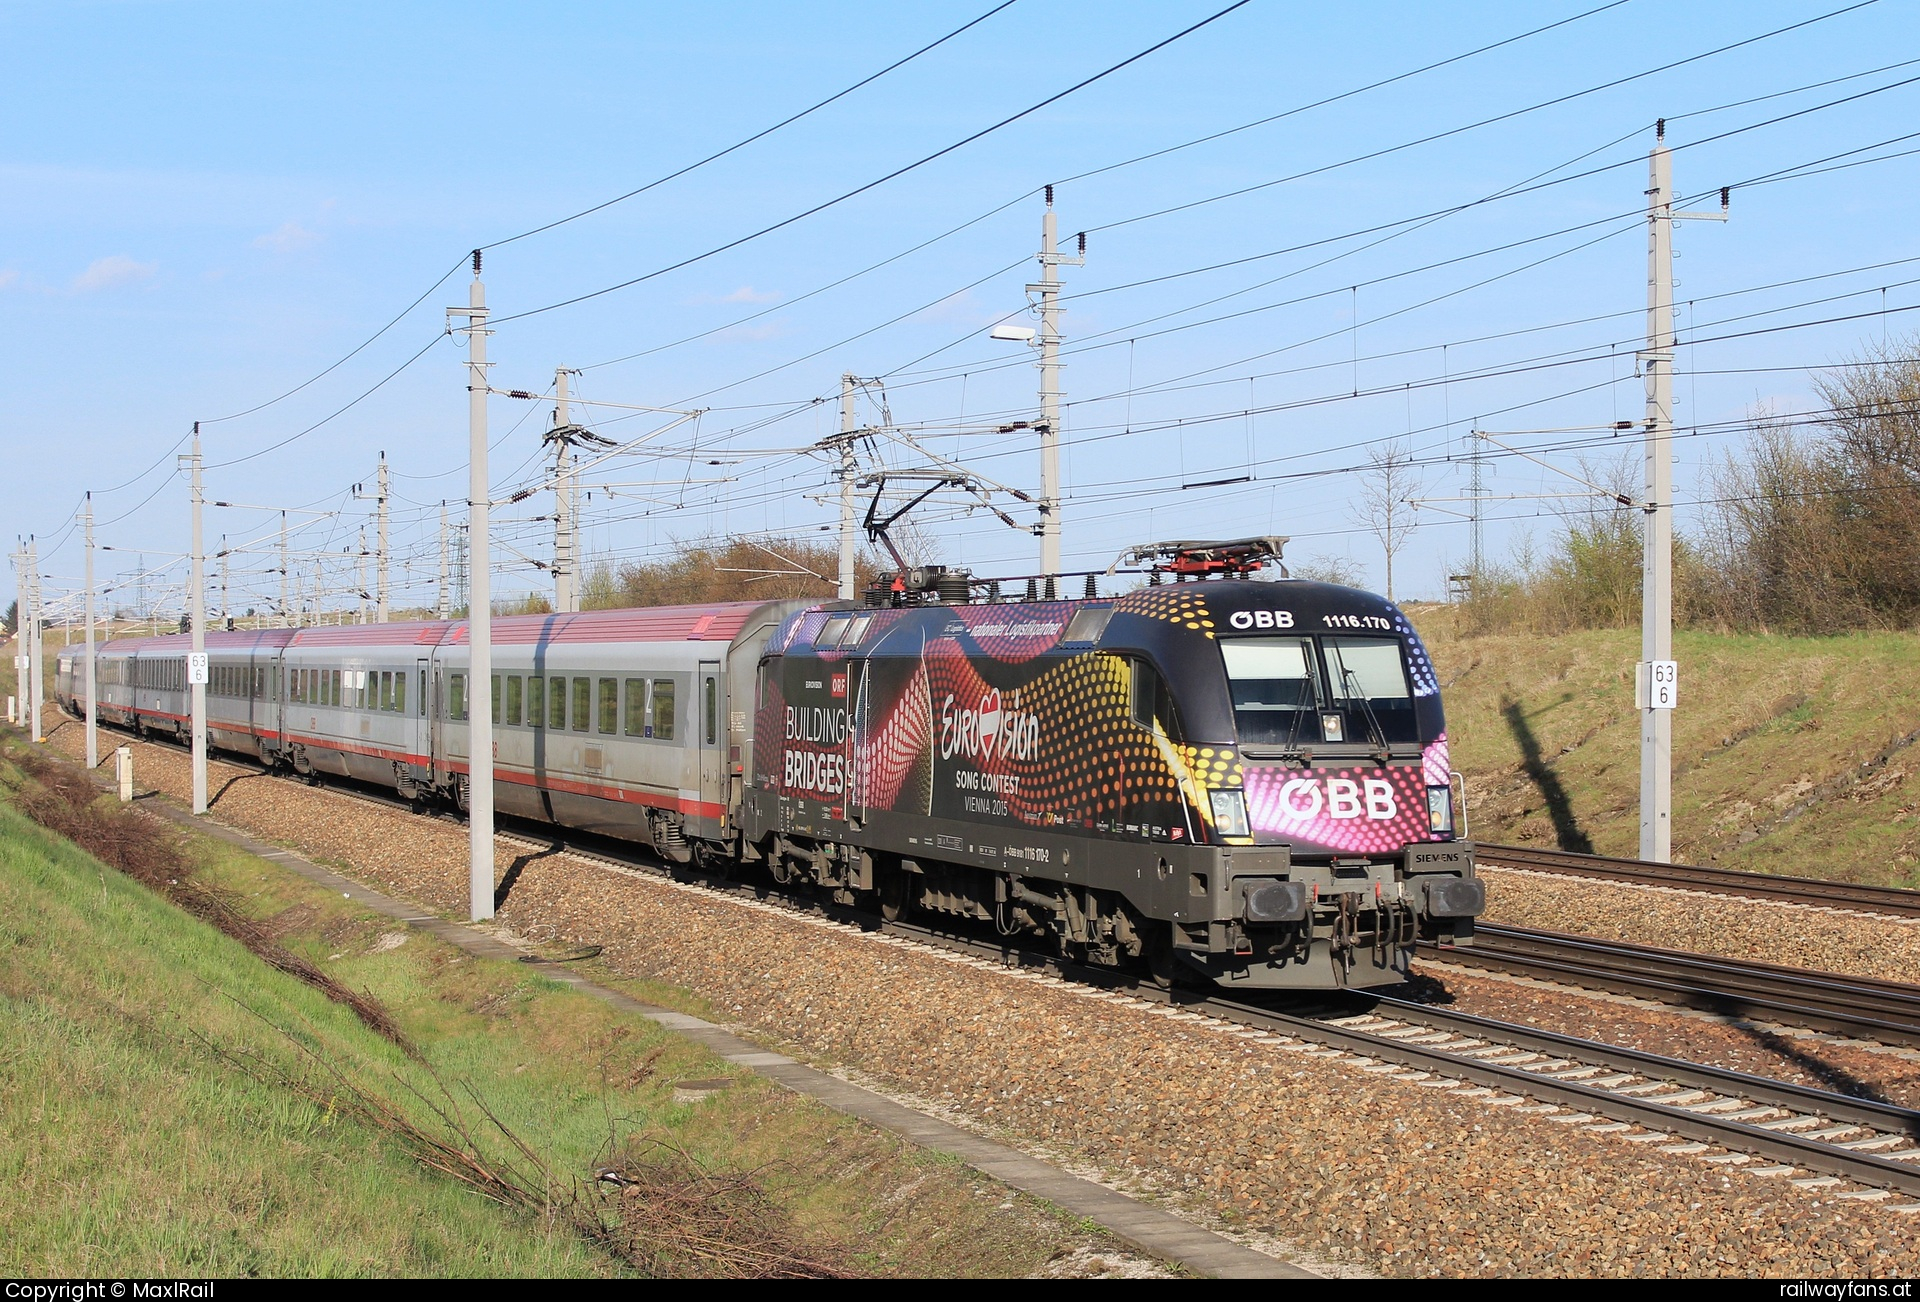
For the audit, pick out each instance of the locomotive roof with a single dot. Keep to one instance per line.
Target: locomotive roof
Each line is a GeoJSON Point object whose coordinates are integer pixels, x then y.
{"type": "Point", "coordinates": [715, 622]}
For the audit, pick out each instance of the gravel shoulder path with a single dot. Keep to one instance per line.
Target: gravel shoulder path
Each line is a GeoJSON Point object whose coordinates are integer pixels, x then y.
{"type": "Point", "coordinates": [1388, 1177]}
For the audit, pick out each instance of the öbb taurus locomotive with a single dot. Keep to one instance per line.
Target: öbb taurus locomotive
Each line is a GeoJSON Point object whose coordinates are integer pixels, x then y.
{"type": "Point", "coordinates": [1243, 779]}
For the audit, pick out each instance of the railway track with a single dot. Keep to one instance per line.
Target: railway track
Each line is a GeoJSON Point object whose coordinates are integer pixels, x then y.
{"type": "Point", "coordinates": [1892, 900]}
{"type": "Point", "coordinates": [1887, 1012]}
{"type": "Point", "coordinates": [1818, 1139]}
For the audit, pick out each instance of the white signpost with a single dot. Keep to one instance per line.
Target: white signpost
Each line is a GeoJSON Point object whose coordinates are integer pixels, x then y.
{"type": "Point", "coordinates": [197, 669]}
{"type": "Point", "coordinates": [1656, 684]}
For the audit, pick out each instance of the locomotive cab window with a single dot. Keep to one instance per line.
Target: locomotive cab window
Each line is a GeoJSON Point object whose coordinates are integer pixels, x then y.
{"type": "Point", "coordinates": [1367, 680]}
{"type": "Point", "coordinates": [1273, 684]}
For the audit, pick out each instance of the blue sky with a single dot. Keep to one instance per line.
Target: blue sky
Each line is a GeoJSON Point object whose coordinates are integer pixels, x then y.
{"type": "Point", "coordinates": [204, 205]}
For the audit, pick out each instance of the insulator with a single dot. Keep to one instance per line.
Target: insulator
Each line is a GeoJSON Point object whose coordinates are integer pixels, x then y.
{"type": "Point", "coordinates": [1092, 591]}
{"type": "Point", "coordinates": [476, 262]}
{"type": "Point", "coordinates": [1031, 593]}
{"type": "Point", "coordinates": [1049, 196]}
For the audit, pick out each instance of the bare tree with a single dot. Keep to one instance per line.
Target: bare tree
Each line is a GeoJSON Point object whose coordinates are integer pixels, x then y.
{"type": "Point", "coordinates": [1386, 490]}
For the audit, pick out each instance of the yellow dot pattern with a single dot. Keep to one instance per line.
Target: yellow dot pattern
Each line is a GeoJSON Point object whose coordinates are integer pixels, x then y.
{"type": "Point", "coordinates": [1181, 604]}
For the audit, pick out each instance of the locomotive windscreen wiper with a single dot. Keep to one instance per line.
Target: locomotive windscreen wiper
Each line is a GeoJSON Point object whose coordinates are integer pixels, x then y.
{"type": "Point", "coordinates": [1350, 682]}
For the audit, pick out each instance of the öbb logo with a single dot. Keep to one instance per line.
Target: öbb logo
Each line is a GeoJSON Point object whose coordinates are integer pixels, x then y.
{"type": "Point", "coordinates": [1261, 619]}
{"type": "Point", "coordinates": [993, 726]}
{"type": "Point", "coordinates": [1343, 798]}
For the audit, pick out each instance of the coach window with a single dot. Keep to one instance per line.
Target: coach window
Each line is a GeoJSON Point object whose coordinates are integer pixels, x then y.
{"type": "Point", "coordinates": [513, 700]}
{"type": "Point", "coordinates": [583, 705]}
{"type": "Point", "coordinates": [663, 709]}
{"type": "Point", "coordinates": [457, 696]}
{"type": "Point", "coordinates": [496, 698]}
{"type": "Point", "coordinates": [536, 701]}
{"type": "Point", "coordinates": [333, 688]}
{"type": "Point", "coordinates": [609, 705]}
{"type": "Point", "coordinates": [386, 690]}
{"type": "Point", "coordinates": [713, 709]}
{"type": "Point", "coordinates": [636, 707]}
{"type": "Point", "coordinates": [400, 690]}
{"type": "Point", "coordinates": [557, 703]}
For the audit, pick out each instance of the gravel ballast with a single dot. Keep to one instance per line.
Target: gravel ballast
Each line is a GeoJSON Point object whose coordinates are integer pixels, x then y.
{"type": "Point", "coordinates": [1390, 1177]}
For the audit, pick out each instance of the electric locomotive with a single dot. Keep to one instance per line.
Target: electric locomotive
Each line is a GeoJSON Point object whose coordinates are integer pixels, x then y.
{"type": "Point", "coordinates": [1243, 779]}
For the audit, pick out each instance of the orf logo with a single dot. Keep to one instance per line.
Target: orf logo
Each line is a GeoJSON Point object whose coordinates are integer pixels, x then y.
{"type": "Point", "coordinates": [838, 684]}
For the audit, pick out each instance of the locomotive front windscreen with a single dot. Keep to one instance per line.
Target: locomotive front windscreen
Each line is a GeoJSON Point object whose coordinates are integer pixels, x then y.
{"type": "Point", "coordinates": [1354, 689]}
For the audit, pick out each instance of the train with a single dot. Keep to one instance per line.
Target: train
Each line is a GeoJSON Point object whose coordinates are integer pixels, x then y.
{"type": "Point", "coordinates": [1224, 775]}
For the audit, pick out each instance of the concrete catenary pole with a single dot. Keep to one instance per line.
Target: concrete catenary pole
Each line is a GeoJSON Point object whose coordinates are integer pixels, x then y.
{"type": "Point", "coordinates": [845, 590]}
{"type": "Point", "coordinates": [1656, 612]}
{"type": "Point", "coordinates": [479, 698]}
{"type": "Point", "coordinates": [93, 736]}
{"type": "Point", "coordinates": [197, 612]}
{"type": "Point", "coordinates": [1049, 341]}
{"type": "Point", "coordinates": [443, 608]}
{"type": "Point", "coordinates": [382, 558]}
{"type": "Point", "coordinates": [360, 575]}
{"type": "Point", "coordinates": [35, 667]}
{"type": "Point", "coordinates": [566, 509]}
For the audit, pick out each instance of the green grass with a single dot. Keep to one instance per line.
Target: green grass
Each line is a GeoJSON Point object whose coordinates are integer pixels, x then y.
{"type": "Point", "coordinates": [133, 1139]}
{"type": "Point", "coordinates": [1765, 725]}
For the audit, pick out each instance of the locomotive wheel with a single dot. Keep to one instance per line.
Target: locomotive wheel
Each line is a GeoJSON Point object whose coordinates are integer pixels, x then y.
{"type": "Point", "coordinates": [896, 894]}
{"type": "Point", "coordinates": [1161, 963]}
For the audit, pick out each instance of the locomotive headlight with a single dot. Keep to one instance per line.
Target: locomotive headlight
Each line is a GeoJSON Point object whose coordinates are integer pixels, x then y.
{"type": "Point", "coordinates": [1230, 812]}
{"type": "Point", "coordinates": [1440, 809]}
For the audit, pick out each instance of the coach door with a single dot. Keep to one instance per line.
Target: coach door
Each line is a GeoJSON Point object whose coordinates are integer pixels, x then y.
{"type": "Point", "coordinates": [710, 724]}
{"type": "Point", "coordinates": [423, 716]}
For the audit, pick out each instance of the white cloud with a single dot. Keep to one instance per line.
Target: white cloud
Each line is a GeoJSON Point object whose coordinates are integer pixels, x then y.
{"type": "Point", "coordinates": [107, 272]}
{"type": "Point", "coordinates": [290, 238]}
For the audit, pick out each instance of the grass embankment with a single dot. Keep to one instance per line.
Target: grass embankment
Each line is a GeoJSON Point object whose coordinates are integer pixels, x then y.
{"type": "Point", "coordinates": [170, 1104]}
{"type": "Point", "coordinates": [1791, 755]}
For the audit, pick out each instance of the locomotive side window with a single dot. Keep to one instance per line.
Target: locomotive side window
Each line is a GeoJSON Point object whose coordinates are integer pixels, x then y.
{"type": "Point", "coordinates": [831, 632]}
{"type": "Point", "coordinates": [856, 630]}
{"type": "Point", "coordinates": [1152, 702]}
{"type": "Point", "coordinates": [1272, 681]}
{"type": "Point", "coordinates": [663, 709]}
{"type": "Point", "coordinates": [636, 707]}
{"type": "Point", "coordinates": [1366, 678]}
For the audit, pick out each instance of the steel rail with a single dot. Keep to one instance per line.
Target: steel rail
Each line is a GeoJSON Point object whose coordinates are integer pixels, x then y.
{"type": "Point", "coordinates": [1893, 900]}
{"type": "Point", "coordinates": [1885, 1011]}
{"type": "Point", "coordinates": [1681, 1120]}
